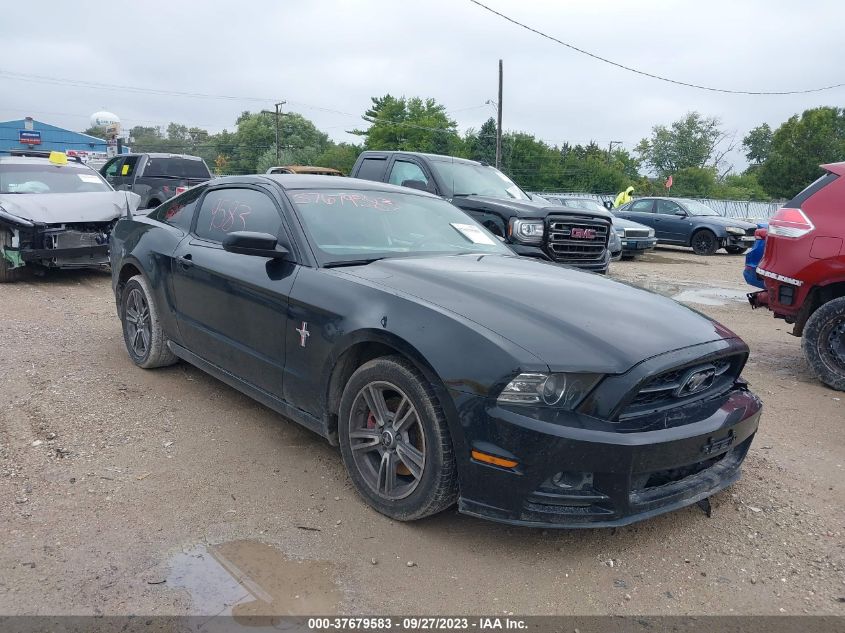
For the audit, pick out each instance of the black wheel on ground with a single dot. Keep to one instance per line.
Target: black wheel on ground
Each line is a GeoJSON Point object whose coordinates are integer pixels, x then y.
{"type": "Point", "coordinates": [142, 331]}
{"type": "Point", "coordinates": [7, 273]}
{"type": "Point", "coordinates": [395, 441]}
{"type": "Point", "coordinates": [704, 242]}
{"type": "Point", "coordinates": [736, 250]}
{"type": "Point", "coordinates": [823, 343]}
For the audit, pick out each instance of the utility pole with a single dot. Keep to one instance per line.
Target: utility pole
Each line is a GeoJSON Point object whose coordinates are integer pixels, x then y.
{"type": "Point", "coordinates": [499, 122]}
{"type": "Point", "coordinates": [278, 115]}
{"type": "Point", "coordinates": [610, 148]}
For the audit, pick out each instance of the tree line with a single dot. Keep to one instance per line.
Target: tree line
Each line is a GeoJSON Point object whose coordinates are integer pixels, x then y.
{"type": "Point", "coordinates": [693, 150]}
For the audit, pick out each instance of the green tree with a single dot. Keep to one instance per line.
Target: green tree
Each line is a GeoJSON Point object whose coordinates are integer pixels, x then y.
{"type": "Point", "coordinates": [481, 146]}
{"type": "Point", "coordinates": [694, 182]}
{"type": "Point", "coordinates": [414, 124]}
{"type": "Point", "coordinates": [692, 141]}
{"type": "Point", "coordinates": [95, 130]}
{"type": "Point", "coordinates": [340, 156]}
{"type": "Point", "coordinates": [799, 146]}
{"type": "Point", "coordinates": [758, 144]}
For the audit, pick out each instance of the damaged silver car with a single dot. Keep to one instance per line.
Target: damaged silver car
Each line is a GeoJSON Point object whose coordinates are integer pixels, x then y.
{"type": "Point", "coordinates": [55, 213]}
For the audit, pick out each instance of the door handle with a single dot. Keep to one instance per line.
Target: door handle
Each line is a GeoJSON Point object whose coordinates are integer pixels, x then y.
{"type": "Point", "coordinates": [185, 262]}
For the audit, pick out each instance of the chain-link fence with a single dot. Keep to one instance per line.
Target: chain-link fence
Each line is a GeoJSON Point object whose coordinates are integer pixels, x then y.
{"type": "Point", "coordinates": [728, 208]}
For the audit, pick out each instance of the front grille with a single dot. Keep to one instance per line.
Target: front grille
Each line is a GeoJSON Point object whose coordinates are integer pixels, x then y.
{"type": "Point", "coordinates": [750, 232]}
{"type": "Point", "coordinates": [636, 232]}
{"type": "Point", "coordinates": [576, 240]}
{"type": "Point", "coordinates": [676, 386]}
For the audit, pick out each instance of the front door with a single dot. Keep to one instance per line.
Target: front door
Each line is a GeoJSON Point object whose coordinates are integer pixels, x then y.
{"type": "Point", "coordinates": [232, 308]}
{"type": "Point", "coordinates": [671, 222]}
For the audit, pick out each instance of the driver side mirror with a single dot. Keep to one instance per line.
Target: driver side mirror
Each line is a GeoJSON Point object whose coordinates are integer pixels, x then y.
{"type": "Point", "coordinates": [680, 213]}
{"type": "Point", "coordinates": [251, 243]}
{"type": "Point", "coordinates": [422, 185]}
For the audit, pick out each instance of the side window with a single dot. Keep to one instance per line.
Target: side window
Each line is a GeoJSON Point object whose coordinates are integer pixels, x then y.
{"type": "Point", "coordinates": [179, 211]}
{"type": "Point", "coordinates": [666, 207]}
{"type": "Point", "coordinates": [110, 168]}
{"type": "Point", "coordinates": [372, 169]}
{"type": "Point", "coordinates": [641, 206]}
{"type": "Point", "coordinates": [226, 210]}
{"type": "Point", "coordinates": [402, 171]}
{"type": "Point", "coordinates": [129, 164]}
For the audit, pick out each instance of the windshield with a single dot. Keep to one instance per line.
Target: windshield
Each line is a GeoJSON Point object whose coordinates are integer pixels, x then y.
{"type": "Point", "coordinates": [583, 203]}
{"type": "Point", "coordinates": [48, 178]}
{"type": "Point", "coordinates": [357, 225]}
{"type": "Point", "coordinates": [694, 207]}
{"type": "Point", "coordinates": [468, 179]}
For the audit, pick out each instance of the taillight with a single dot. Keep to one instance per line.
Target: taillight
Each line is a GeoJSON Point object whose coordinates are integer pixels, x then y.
{"type": "Point", "coordinates": [790, 223]}
{"type": "Point", "coordinates": [761, 233]}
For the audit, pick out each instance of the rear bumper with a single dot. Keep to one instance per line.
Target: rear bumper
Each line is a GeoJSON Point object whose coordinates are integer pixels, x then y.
{"type": "Point", "coordinates": [624, 477]}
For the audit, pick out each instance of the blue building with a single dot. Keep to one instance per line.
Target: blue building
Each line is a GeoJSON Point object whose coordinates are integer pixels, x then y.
{"type": "Point", "coordinates": [31, 134]}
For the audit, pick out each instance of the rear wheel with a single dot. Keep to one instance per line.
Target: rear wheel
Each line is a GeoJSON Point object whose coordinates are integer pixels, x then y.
{"type": "Point", "coordinates": [142, 330]}
{"type": "Point", "coordinates": [8, 274]}
{"type": "Point", "coordinates": [736, 250]}
{"type": "Point", "coordinates": [395, 442]}
{"type": "Point", "coordinates": [704, 242]}
{"type": "Point", "coordinates": [823, 343]}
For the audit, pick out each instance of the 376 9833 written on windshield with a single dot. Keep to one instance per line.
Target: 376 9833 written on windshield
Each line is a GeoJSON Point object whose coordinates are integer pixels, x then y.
{"type": "Point", "coordinates": [341, 199]}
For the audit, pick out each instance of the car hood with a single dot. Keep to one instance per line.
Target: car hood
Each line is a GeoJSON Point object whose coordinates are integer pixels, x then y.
{"type": "Point", "coordinates": [628, 224]}
{"type": "Point", "coordinates": [572, 320]}
{"type": "Point", "coordinates": [58, 208]}
{"type": "Point", "coordinates": [522, 208]}
{"type": "Point", "coordinates": [723, 221]}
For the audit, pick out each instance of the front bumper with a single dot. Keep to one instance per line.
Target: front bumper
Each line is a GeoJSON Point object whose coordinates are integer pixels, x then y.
{"type": "Point", "coordinates": [80, 246]}
{"type": "Point", "coordinates": [599, 266]}
{"type": "Point", "coordinates": [624, 476]}
{"type": "Point", "coordinates": [637, 245]}
{"type": "Point", "coordinates": [740, 241]}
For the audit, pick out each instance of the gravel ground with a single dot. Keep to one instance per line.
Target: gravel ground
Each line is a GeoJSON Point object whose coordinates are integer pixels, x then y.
{"type": "Point", "coordinates": [131, 491]}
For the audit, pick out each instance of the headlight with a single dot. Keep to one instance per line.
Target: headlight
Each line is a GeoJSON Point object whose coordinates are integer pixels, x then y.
{"type": "Point", "coordinates": [563, 391]}
{"type": "Point", "coordinates": [530, 231]}
{"type": "Point", "coordinates": [735, 230]}
{"type": "Point", "coordinates": [619, 231]}
{"type": "Point", "coordinates": [651, 232]}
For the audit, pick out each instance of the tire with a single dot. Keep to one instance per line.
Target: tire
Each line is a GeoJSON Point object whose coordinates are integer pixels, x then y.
{"type": "Point", "coordinates": [736, 250]}
{"type": "Point", "coordinates": [7, 273]}
{"type": "Point", "coordinates": [704, 242]}
{"type": "Point", "coordinates": [405, 471]}
{"type": "Point", "coordinates": [142, 332]}
{"type": "Point", "coordinates": [823, 343]}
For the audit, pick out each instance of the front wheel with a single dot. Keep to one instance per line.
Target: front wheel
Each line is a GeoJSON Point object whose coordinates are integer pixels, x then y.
{"type": "Point", "coordinates": [395, 442]}
{"type": "Point", "coordinates": [704, 242]}
{"type": "Point", "coordinates": [142, 329]}
{"type": "Point", "coordinates": [823, 343]}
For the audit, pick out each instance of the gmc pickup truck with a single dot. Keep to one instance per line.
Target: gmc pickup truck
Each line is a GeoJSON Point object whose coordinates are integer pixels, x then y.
{"type": "Point", "coordinates": [577, 237]}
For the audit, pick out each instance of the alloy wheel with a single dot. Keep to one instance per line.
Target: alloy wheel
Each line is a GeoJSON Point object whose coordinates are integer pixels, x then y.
{"type": "Point", "coordinates": [387, 440]}
{"type": "Point", "coordinates": [137, 317]}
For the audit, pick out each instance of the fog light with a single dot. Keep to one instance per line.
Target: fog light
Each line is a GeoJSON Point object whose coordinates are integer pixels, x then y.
{"type": "Point", "coordinates": [572, 480]}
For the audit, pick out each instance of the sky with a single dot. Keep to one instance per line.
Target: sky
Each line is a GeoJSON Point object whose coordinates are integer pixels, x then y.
{"type": "Point", "coordinates": [327, 58]}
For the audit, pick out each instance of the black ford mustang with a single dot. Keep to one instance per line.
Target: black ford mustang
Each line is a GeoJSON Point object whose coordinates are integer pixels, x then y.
{"type": "Point", "coordinates": [446, 368]}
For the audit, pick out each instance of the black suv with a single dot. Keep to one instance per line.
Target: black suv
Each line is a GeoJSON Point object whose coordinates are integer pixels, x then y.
{"type": "Point", "coordinates": [155, 177]}
{"type": "Point", "coordinates": [577, 237]}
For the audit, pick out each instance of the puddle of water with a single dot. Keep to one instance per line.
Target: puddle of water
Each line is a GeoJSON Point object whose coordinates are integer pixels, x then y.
{"type": "Point", "coordinates": [702, 295]}
{"type": "Point", "coordinates": [253, 582]}
{"type": "Point", "coordinates": [711, 296]}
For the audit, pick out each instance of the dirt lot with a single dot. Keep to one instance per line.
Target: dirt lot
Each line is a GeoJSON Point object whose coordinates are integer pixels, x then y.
{"type": "Point", "coordinates": [132, 491]}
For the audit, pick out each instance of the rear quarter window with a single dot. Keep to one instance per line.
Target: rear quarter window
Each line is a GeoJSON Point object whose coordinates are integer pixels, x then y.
{"type": "Point", "coordinates": [179, 211]}
{"type": "Point", "coordinates": [815, 187]}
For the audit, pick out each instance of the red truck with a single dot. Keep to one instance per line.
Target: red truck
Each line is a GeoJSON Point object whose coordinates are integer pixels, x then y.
{"type": "Point", "coordinates": [803, 268]}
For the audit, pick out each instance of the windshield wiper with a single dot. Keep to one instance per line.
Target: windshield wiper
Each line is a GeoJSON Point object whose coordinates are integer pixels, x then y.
{"type": "Point", "coordinates": [352, 262]}
{"type": "Point", "coordinates": [463, 195]}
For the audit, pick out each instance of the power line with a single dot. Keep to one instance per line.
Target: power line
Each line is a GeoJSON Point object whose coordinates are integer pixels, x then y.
{"type": "Point", "coordinates": [648, 74]}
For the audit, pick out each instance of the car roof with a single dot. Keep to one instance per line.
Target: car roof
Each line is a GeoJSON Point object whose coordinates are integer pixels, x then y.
{"type": "Point", "coordinates": [308, 181]}
{"type": "Point", "coordinates": [160, 155]}
{"type": "Point", "coordinates": [435, 157]}
{"type": "Point", "coordinates": [37, 160]}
